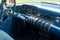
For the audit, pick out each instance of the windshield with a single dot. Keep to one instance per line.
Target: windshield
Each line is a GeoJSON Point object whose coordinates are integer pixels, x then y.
{"type": "Point", "coordinates": [0, 1]}
{"type": "Point", "coordinates": [24, 1]}
{"type": "Point", "coordinates": [35, 1]}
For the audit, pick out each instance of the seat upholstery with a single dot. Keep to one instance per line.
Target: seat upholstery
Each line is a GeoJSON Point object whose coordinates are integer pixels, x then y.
{"type": "Point", "coordinates": [4, 36]}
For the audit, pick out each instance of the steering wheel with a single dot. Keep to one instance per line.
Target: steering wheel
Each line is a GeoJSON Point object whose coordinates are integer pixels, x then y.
{"type": "Point", "coordinates": [4, 11]}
